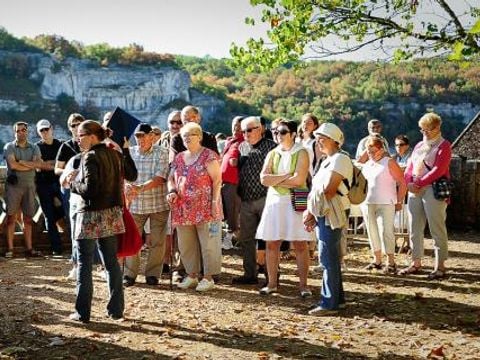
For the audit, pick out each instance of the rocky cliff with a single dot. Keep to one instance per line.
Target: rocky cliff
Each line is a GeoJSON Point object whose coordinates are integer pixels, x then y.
{"type": "Point", "coordinates": [149, 93]}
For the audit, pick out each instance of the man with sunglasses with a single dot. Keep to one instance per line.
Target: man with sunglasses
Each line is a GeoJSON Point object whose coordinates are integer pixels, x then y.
{"type": "Point", "coordinates": [174, 122]}
{"type": "Point", "coordinates": [48, 186]}
{"type": "Point", "coordinates": [67, 150]}
{"type": "Point", "coordinates": [22, 158]}
{"type": "Point", "coordinates": [252, 193]}
{"type": "Point", "coordinates": [191, 114]}
{"type": "Point", "coordinates": [402, 150]}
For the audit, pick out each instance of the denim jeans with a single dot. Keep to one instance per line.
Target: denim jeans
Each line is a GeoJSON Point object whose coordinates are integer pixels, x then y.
{"type": "Point", "coordinates": [332, 294]}
{"type": "Point", "coordinates": [46, 193]}
{"type": "Point", "coordinates": [108, 253]}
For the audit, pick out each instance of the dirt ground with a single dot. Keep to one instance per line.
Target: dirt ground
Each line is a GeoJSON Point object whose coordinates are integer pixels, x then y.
{"type": "Point", "coordinates": [387, 317]}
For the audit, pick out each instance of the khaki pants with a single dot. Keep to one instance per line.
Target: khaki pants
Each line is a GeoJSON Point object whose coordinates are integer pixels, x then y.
{"type": "Point", "coordinates": [201, 243]}
{"type": "Point", "coordinates": [156, 252]}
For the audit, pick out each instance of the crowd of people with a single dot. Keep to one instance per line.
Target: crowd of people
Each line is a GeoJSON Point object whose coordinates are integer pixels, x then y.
{"type": "Point", "coordinates": [266, 190]}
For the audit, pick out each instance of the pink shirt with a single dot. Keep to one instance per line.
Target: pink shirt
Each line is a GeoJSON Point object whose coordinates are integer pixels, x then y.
{"type": "Point", "coordinates": [439, 167]}
{"type": "Point", "coordinates": [194, 186]}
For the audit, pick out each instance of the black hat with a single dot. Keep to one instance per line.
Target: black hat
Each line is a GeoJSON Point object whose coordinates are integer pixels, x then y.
{"type": "Point", "coordinates": [122, 124]}
{"type": "Point", "coordinates": [143, 128]}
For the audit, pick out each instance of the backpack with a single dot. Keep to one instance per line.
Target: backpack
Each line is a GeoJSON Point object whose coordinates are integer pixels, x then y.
{"type": "Point", "coordinates": [358, 189]}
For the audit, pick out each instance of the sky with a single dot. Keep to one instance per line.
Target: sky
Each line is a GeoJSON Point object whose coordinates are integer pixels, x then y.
{"type": "Point", "coordinates": [186, 27]}
{"type": "Point", "coordinates": [180, 27]}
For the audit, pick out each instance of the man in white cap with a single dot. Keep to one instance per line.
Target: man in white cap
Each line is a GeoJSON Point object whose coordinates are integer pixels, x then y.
{"type": "Point", "coordinates": [48, 186]}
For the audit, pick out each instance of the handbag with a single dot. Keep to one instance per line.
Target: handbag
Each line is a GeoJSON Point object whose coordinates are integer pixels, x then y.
{"type": "Point", "coordinates": [299, 199]}
{"type": "Point", "coordinates": [130, 242]}
{"type": "Point", "coordinates": [442, 188]}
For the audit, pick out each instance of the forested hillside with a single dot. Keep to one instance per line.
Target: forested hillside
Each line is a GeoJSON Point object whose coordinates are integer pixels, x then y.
{"type": "Point", "coordinates": [348, 93]}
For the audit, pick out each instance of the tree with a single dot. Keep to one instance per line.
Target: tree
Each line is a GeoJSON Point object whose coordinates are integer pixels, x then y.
{"type": "Point", "coordinates": [401, 28]}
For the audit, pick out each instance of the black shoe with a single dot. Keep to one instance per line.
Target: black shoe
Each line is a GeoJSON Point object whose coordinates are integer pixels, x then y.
{"type": "Point", "coordinates": [166, 269]}
{"type": "Point", "coordinates": [128, 281]}
{"type": "Point", "coordinates": [151, 280]}
{"type": "Point", "coordinates": [33, 254]}
{"type": "Point", "coordinates": [243, 280]}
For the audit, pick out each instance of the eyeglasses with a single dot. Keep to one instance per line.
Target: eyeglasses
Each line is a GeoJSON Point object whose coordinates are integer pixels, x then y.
{"type": "Point", "coordinates": [281, 132]}
{"type": "Point", "coordinates": [188, 135]}
{"type": "Point", "coordinates": [44, 129]}
{"type": "Point", "coordinates": [73, 126]}
{"type": "Point", "coordinates": [400, 145]}
{"type": "Point", "coordinates": [24, 130]}
{"type": "Point", "coordinates": [250, 129]}
{"type": "Point", "coordinates": [175, 122]}
{"type": "Point", "coordinates": [423, 131]}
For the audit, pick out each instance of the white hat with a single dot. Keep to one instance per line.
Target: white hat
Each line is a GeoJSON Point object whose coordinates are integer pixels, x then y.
{"type": "Point", "coordinates": [43, 124]}
{"type": "Point", "coordinates": [332, 131]}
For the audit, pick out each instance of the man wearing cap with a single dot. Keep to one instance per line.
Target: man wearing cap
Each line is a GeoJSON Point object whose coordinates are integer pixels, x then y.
{"type": "Point", "coordinates": [191, 114]}
{"type": "Point", "coordinates": [22, 158]}
{"type": "Point", "coordinates": [48, 186]}
{"type": "Point", "coordinates": [252, 193]}
{"type": "Point", "coordinates": [375, 127]}
{"type": "Point", "coordinates": [147, 198]}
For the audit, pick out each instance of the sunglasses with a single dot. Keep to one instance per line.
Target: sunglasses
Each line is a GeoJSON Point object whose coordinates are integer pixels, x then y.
{"type": "Point", "coordinates": [175, 122]}
{"type": "Point", "coordinates": [24, 130]}
{"type": "Point", "coordinates": [281, 132]}
{"type": "Point", "coordinates": [44, 129]}
{"type": "Point", "coordinates": [82, 135]}
{"type": "Point", "coordinates": [73, 126]}
{"type": "Point", "coordinates": [250, 129]}
{"type": "Point", "coordinates": [400, 145]}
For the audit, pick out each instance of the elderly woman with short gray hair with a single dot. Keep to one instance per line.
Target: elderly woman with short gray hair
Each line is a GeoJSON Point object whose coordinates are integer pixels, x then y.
{"type": "Point", "coordinates": [429, 162]}
{"type": "Point", "coordinates": [194, 188]}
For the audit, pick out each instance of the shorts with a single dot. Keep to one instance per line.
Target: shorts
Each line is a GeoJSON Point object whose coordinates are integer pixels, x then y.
{"type": "Point", "coordinates": [20, 197]}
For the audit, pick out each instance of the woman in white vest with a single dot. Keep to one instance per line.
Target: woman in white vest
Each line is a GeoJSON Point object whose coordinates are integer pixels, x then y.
{"type": "Point", "coordinates": [285, 167]}
{"type": "Point", "coordinates": [386, 194]}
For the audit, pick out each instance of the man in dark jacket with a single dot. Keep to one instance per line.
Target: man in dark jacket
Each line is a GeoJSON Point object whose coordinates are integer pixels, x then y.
{"type": "Point", "coordinates": [191, 113]}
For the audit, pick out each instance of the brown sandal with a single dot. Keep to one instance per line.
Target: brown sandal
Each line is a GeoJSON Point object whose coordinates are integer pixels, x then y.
{"type": "Point", "coordinates": [412, 269]}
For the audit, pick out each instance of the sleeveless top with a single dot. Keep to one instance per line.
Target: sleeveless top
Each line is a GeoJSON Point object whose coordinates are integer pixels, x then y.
{"type": "Point", "coordinates": [285, 161]}
{"type": "Point", "coordinates": [382, 187]}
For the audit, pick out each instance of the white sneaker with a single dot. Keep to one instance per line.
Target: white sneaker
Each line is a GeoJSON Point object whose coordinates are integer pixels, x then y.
{"type": "Point", "coordinates": [205, 285]}
{"type": "Point", "coordinates": [72, 274]}
{"type": "Point", "coordinates": [227, 241]}
{"type": "Point", "coordinates": [187, 283]}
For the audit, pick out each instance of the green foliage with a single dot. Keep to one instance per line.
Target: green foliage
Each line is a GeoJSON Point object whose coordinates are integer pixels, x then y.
{"type": "Point", "coordinates": [11, 43]}
{"type": "Point", "coordinates": [296, 25]}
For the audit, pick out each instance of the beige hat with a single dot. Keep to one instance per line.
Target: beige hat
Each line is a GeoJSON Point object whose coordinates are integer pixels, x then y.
{"type": "Point", "coordinates": [332, 131]}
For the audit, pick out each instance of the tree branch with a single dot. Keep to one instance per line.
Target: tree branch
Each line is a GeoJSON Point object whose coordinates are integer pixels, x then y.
{"type": "Point", "coordinates": [460, 29]}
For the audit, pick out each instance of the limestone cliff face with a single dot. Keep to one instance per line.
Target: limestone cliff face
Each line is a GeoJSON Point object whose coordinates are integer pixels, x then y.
{"type": "Point", "coordinates": [145, 92]}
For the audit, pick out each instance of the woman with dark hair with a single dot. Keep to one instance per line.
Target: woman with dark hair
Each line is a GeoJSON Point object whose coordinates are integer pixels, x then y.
{"type": "Point", "coordinates": [99, 218]}
{"type": "Point", "coordinates": [285, 167]}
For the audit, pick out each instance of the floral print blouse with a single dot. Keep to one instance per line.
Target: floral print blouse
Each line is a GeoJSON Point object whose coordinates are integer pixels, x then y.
{"type": "Point", "coordinates": [195, 190]}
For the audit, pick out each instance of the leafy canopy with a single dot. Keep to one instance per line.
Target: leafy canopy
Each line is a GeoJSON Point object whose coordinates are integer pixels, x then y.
{"type": "Point", "coordinates": [401, 28]}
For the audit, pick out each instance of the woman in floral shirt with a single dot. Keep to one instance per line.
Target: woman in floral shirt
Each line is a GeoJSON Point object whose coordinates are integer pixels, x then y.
{"type": "Point", "coordinates": [194, 195]}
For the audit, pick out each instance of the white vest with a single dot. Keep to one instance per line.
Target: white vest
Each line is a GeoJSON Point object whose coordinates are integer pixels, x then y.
{"type": "Point", "coordinates": [382, 187]}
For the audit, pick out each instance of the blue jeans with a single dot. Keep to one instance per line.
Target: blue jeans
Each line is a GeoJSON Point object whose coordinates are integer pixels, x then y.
{"type": "Point", "coordinates": [46, 194]}
{"type": "Point", "coordinates": [332, 294]}
{"type": "Point", "coordinates": [108, 253]}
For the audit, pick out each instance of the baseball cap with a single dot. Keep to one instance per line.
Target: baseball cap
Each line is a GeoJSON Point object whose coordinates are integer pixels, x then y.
{"type": "Point", "coordinates": [43, 124]}
{"type": "Point", "coordinates": [143, 128]}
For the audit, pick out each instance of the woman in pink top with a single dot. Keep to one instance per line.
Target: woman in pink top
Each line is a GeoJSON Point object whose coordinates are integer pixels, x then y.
{"type": "Point", "coordinates": [194, 188]}
{"type": "Point", "coordinates": [430, 160]}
